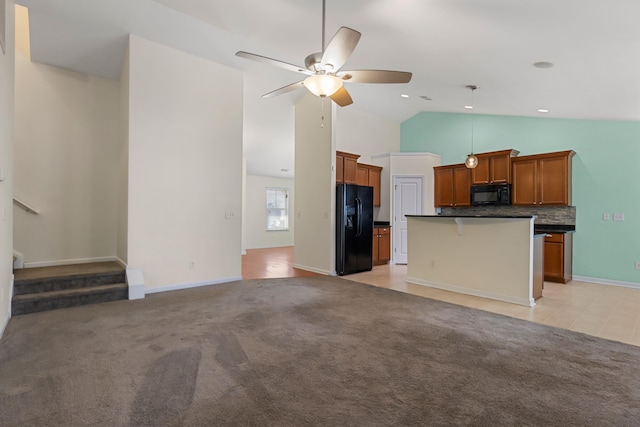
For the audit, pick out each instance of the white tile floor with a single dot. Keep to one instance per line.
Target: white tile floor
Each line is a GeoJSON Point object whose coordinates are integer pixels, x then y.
{"type": "Point", "coordinates": [604, 311]}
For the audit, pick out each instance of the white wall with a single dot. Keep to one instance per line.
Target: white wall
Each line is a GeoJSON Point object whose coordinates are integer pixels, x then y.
{"type": "Point", "coordinates": [368, 135]}
{"type": "Point", "coordinates": [365, 134]}
{"type": "Point", "coordinates": [415, 164]}
{"type": "Point", "coordinates": [314, 233]}
{"type": "Point", "coordinates": [6, 166]}
{"type": "Point", "coordinates": [123, 163]}
{"type": "Point", "coordinates": [255, 232]}
{"type": "Point", "coordinates": [66, 164]}
{"type": "Point", "coordinates": [185, 167]}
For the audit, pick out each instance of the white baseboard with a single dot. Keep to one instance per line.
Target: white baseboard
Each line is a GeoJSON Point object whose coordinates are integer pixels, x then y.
{"type": "Point", "coordinates": [69, 261]}
{"type": "Point", "coordinates": [5, 321]}
{"type": "Point", "coordinates": [19, 260]}
{"type": "Point", "coordinates": [314, 270]}
{"type": "Point", "coordinates": [135, 282]}
{"type": "Point", "coordinates": [606, 282]}
{"type": "Point", "coordinates": [4, 324]}
{"type": "Point", "coordinates": [180, 286]}
{"type": "Point", "coordinates": [121, 262]}
{"type": "Point", "coordinates": [529, 302]}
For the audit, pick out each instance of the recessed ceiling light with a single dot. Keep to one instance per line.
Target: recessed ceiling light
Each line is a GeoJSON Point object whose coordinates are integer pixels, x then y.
{"type": "Point", "coordinates": [543, 64]}
{"type": "Point", "coordinates": [542, 110]}
{"type": "Point", "coordinates": [404, 95]}
{"type": "Point", "coordinates": [469, 107]}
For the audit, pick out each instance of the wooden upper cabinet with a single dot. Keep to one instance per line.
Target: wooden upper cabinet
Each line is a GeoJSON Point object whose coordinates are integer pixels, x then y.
{"type": "Point", "coordinates": [339, 169]}
{"type": "Point", "coordinates": [349, 171]}
{"type": "Point", "coordinates": [346, 167]}
{"type": "Point", "coordinates": [542, 179]}
{"type": "Point", "coordinates": [452, 186]}
{"type": "Point", "coordinates": [370, 175]}
{"type": "Point", "coordinates": [362, 174]}
{"type": "Point", "coordinates": [493, 167]}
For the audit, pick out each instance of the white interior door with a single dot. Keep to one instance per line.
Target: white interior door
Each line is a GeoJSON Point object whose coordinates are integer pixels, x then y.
{"type": "Point", "coordinates": [407, 200]}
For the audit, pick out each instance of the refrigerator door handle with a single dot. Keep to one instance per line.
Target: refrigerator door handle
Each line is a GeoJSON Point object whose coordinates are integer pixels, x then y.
{"type": "Point", "coordinates": [359, 217]}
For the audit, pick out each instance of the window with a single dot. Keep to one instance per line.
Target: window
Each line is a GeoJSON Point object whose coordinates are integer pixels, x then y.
{"type": "Point", "coordinates": [277, 209]}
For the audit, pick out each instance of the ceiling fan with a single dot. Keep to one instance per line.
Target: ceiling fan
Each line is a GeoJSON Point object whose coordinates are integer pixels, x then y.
{"type": "Point", "coordinates": [325, 77]}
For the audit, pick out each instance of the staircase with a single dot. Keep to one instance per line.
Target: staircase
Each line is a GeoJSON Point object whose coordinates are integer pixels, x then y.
{"type": "Point", "coordinates": [50, 288]}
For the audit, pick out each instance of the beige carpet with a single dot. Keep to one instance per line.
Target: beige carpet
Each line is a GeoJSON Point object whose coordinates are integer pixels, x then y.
{"type": "Point", "coordinates": [304, 352]}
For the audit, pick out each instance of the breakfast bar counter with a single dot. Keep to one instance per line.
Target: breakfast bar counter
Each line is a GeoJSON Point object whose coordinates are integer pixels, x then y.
{"type": "Point", "coordinates": [493, 257]}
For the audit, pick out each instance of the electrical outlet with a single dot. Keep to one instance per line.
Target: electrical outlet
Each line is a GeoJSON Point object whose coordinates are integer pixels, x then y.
{"type": "Point", "coordinates": [606, 216]}
{"type": "Point", "coordinates": [229, 214]}
{"type": "Point", "coordinates": [618, 216]}
{"type": "Point", "coordinates": [637, 265]}
{"type": "Point", "coordinates": [192, 264]}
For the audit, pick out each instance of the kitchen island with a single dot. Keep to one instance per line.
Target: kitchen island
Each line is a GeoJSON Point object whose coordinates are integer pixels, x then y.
{"type": "Point", "coordinates": [493, 257]}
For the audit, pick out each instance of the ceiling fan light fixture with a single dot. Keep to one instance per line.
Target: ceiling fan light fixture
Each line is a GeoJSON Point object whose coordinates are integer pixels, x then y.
{"type": "Point", "coordinates": [323, 85]}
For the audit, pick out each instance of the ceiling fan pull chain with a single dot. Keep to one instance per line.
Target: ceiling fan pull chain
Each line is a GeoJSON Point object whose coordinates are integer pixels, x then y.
{"type": "Point", "coordinates": [322, 122]}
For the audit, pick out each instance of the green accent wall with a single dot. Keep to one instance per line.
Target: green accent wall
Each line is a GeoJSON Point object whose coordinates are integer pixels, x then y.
{"type": "Point", "coordinates": [606, 175]}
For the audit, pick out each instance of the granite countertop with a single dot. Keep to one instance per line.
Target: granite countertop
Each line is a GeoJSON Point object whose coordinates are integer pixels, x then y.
{"type": "Point", "coordinates": [381, 224]}
{"type": "Point", "coordinates": [471, 216]}
{"type": "Point", "coordinates": [554, 228]}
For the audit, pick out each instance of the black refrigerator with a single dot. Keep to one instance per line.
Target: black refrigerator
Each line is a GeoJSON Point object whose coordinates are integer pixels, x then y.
{"type": "Point", "coordinates": [354, 229]}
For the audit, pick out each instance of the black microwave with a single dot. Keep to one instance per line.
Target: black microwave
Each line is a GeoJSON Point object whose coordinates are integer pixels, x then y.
{"type": "Point", "coordinates": [490, 194]}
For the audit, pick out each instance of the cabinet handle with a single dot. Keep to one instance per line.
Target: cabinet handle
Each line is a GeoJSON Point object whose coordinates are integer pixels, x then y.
{"type": "Point", "coordinates": [548, 235]}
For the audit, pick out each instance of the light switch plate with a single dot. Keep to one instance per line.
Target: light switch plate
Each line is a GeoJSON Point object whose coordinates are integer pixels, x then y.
{"type": "Point", "coordinates": [606, 216]}
{"type": "Point", "coordinates": [618, 216]}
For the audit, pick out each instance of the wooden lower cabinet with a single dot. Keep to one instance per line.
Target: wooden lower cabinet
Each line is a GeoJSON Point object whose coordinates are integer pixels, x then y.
{"type": "Point", "coordinates": [558, 248]}
{"type": "Point", "coordinates": [381, 245]}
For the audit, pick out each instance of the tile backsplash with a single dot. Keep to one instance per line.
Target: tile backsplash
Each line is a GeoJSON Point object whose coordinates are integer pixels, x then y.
{"type": "Point", "coordinates": [565, 215]}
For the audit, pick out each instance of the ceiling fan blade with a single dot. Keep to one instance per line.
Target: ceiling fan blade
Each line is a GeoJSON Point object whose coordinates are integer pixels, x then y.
{"type": "Point", "coordinates": [375, 76]}
{"type": "Point", "coordinates": [271, 61]}
{"type": "Point", "coordinates": [340, 48]}
{"type": "Point", "coordinates": [342, 97]}
{"type": "Point", "coordinates": [284, 89]}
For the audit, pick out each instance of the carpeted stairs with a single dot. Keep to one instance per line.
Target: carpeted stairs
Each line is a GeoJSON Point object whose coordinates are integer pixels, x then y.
{"type": "Point", "coordinates": [50, 288]}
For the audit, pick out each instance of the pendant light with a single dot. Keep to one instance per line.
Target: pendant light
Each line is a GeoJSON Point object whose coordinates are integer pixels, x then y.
{"type": "Point", "coordinates": [472, 160]}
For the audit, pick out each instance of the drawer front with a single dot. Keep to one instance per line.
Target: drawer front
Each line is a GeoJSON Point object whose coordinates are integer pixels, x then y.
{"type": "Point", "coordinates": [554, 237]}
{"type": "Point", "coordinates": [383, 230]}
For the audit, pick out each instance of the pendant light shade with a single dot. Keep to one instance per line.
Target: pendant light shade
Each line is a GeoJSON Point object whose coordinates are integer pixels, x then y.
{"type": "Point", "coordinates": [323, 85]}
{"type": "Point", "coordinates": [472, 160]}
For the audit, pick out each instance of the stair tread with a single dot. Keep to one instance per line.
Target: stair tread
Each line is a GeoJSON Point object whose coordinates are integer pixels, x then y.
{"type": "Point", "coordinates": [69, 292]}
{"type": "Point", "coordinates": [67, 271]}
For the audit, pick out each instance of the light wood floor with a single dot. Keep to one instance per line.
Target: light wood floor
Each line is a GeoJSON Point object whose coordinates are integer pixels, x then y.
{"type": "Point", "coordinates": [604, 311]}
{"type": "Point", "coordinates": [271, 263]}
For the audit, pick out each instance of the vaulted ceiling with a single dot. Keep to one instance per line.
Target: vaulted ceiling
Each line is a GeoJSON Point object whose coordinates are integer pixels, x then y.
{"type": "Point", "coordinates": [594, 47]}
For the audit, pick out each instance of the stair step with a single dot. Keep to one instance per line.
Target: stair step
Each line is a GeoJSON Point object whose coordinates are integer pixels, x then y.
{"type": "Point", "coordinates": [47, 279]}
{"type": "Point", "coordinates": [43, 301]}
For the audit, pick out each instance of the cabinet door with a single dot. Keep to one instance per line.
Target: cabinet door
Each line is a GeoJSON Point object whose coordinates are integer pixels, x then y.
{"type": "Point", "coordinates": [500, 169]}
{"type": "Point", "coordinates": [443, 187]}
{"type": "Point", "coordinates": [462, 186]}
{"type": "Point", "coordinates": [480, 174]}
{"type": "Point", "coordinates": [553, 261]}
{"type": "Point", "coordinates": [362, 175]}
{"type": "Point", "coordinates": [350, 168]}
{"type": "Point", "coordinates": [524, 180]}
{"type": "Point", "coordinates": [339, 169]}
{"type": "Point", "coordinates": [553, 181]}
{"type": "Point", "coordinates": [374, 181]}
{"type": "Point", "coordinates": [384, 245]}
